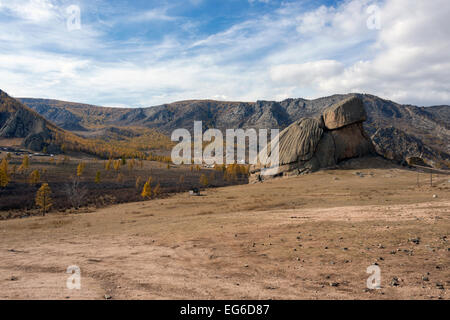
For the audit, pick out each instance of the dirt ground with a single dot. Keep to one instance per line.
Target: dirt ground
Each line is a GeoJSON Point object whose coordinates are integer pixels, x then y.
{"type": "Point", "coordinates": [307, 237]}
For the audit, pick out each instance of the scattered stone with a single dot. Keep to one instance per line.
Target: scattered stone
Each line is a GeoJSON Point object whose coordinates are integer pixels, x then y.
{"type": "Point", "coordinates": [395, 282]}
{"type": "Point", "coordinates": [440, 286]}
{"type": "Point", "coordinates": [334, 284]}
{"type": "Point", "coordinates": [14, 278]}
{"type": "Point", "coordinates": [345, 249]}
{"type": "Point", "coordinates": [415, 240]}
{"type": "Point", "coordinates": [435, 196]}
{"type": "Point", "coordinates": [424, 278]}
{"type": "Point", "coordinates": [108, 297]}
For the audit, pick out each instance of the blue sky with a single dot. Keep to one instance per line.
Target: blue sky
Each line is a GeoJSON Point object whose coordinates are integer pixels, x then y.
{"type": "Point", "coordinates": [143, 53]}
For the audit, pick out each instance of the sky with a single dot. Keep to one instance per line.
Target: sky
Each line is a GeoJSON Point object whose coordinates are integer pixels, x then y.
{"type": "Point", "coordinates": [144, 52]}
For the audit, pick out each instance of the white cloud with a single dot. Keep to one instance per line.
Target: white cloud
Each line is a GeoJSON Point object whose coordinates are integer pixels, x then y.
{"type": "Point", "coordinates": [408, 61]}
{"type": "Point", "coordinates": [151, 15]}
{"type": "Point", "coordinates": [32, 10]}
{"type": "Point", "coordinates": [290, 52]}
{"type": "Point", "coordinates": [308, 73]}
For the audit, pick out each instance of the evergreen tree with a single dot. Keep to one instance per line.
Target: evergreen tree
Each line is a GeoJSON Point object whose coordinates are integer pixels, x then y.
{"type": "Point", "coordinates": [138, 182]}
{"type": "Point", "coordinates": [43, 198]}
{"type": "Point", "coordinates": [35, 177]}
{"type": "Point", "coordinates": [4, 177]}
{"type": "Point", "coordinates": [204, 180]}
{"type": "Point", "coordinates": [146, 191]}
{"type": "Point", "coordinates": [80, 169]}
{"type": "Point", "coordinates": [157, 190]}
{"type": "Point", "coordinates": [98, 177]}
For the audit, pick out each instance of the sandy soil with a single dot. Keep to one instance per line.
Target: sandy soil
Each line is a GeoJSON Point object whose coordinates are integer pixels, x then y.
{"type": "Point", "coordinates": [309, 237]}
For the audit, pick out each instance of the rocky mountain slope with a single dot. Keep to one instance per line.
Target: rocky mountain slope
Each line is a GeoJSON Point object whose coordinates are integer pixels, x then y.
{"type": "Point", "coordinates": [40, 134]}
{"type": "Point", "coordinates": [386, 120]}
{"type": "Point", "coordinates": [18, 121]}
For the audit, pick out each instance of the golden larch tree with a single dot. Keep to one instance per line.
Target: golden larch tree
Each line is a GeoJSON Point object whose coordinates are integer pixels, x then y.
{"type": "Point", "coordinates": [117, 165]}
{"type": "Point", "coordinates": [108, 165]}
{"type": "Point", "coordinates": [204, 180]}
{"type": "Point", "coordinates": [98, 177]}
{"type": "Point", "coordinates": [80, 169]}
{"type": "Point", "coordinates": [4, 165]}
{"type": "Point", "coordinates": [26, 162]}
{"type": "Point", "coordinates": [35, 177]}
{"type": "Point", "coordinates": [4, 177]}
{"type": "Point", "coordinates": [43, 198]}
{"type": "Point", "coordinates": [157, 190]}
{"type": "Point", "coordinates": [131, 164]}
{"type": "Point", "coordinates": [138, 182]}
{"type": "Point", "coordinates": [146, 190]}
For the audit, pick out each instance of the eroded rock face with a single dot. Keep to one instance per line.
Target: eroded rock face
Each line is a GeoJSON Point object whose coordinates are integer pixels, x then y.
{"type": "Point", "coordinates": [308, 145]}
{"type": "Point", "coordinates": [344, 113]}
{"type": "Point", "coordinates": [299, 141]}
{"type": "Point", "coordinates": [395, 144]}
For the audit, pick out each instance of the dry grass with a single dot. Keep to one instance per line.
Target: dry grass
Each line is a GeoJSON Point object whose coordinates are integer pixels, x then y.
{"type": "Point", "coordinates": [307, 237]}
{"type": "Point", "coordinates": [17, 199]}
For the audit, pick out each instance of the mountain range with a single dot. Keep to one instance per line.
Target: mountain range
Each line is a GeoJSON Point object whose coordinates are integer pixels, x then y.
{"type": "Point", "coordinates": [397, 131]}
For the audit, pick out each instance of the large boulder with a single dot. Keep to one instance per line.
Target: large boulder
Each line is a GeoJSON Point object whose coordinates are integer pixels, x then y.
{"type": "Point", "coordinates": [309, 145]}
{"type": "Point", "coordinates": [351, 142]}
{"type": "Point", "coordinates": [296, 144]}
{"type": "Point", "coordinates": [344, 113]}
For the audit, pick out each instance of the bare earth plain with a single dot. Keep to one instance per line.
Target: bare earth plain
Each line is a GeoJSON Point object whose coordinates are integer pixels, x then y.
{"type": "Point", "coordinates": [307, 237]}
